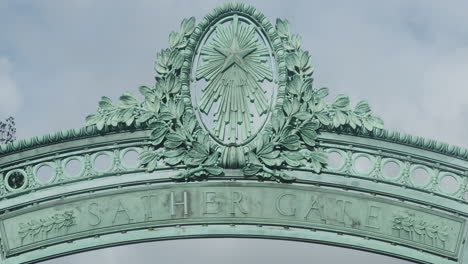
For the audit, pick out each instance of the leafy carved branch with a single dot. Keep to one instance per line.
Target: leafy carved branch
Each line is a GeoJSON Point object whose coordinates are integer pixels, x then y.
{"type": "Point", "coordinates": [56, 222]}
{"type": "Point", "coordinates": [176, 136]}
{"type": "Point", "coordinates": [290, 139]}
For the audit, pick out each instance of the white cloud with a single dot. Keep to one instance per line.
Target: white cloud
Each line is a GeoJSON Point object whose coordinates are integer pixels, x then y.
{"type": "Point", "coordinates": [10, 98]}
{"type": "Point", "coordinates": [444, 98]}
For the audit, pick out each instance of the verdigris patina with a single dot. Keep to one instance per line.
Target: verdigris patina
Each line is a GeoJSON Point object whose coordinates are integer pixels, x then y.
{"type": "Point", "coordinates": [251, 71]}
{"type": "Point", "coordinates": [237, 203]}
{"type": "Point", "coordinates": [233, 140]}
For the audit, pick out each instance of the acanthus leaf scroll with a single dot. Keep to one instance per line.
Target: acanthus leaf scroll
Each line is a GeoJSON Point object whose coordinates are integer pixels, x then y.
{"type": "Point", "coordinates": [289, 137]}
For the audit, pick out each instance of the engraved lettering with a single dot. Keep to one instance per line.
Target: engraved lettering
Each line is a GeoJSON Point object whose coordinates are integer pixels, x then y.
{"type": "Point", "coordinates": [211, 206]}
{"type": "Point", "coordinates": [184, 203]}
{"type": "Point", "coordinates": [148, 206]}
{"type": "Point", "coordinates": [329, 210]}
{"type": "Point", "coordinates": [342, 211]}
{"type": "Point", "coordinates": [290, 211]}
{"type": "Point", "coordinates": [93, 210]}
{"type": "Point", "coordinates": [318, 207]}
{"type": "Point", "coordinates": [372, 216]}
{"type": "Point", "coordinates": [121, 213]}
{"type": "Point", "coordinates": [236, 202]}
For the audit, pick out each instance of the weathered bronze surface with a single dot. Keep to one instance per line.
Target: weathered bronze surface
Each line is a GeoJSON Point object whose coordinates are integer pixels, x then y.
{"type": "Point", "coordinates": [233, 140]}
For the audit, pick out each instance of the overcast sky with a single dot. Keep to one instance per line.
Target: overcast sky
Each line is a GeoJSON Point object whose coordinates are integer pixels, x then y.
{"type": "Point", "coordinates": [408, 58]}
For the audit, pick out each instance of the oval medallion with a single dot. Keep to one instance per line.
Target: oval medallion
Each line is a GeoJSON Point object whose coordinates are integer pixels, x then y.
{"type": "Point", "coordinates": [234, 80]}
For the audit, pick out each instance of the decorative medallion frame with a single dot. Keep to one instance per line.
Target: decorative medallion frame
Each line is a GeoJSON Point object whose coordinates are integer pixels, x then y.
{"type": "Point", "coordinates": [313, 171]}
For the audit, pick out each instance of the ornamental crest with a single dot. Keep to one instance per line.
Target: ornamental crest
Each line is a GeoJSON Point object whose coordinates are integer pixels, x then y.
{"type": "Point", "coordinates": [233, 92]}
{"type": "Point", "coordinates": [234, 86]}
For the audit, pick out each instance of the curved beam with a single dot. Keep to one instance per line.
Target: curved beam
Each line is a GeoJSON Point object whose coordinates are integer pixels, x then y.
{"type": "Point", "coordinates": [227, 231]}
{"type": "Point", "coordinates": [346, 185]}
{"type": "Point", "coordinates": [335, 216]}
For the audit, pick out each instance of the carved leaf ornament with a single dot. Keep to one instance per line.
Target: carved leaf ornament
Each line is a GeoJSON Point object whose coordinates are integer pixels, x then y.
{"type": "Point", "coordinates": [55, 222]}
{"type": "Point", "coordinates": [234, 92]}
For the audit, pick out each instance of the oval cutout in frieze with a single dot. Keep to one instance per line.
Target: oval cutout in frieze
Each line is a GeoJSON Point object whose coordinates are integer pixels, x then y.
{"type": "Point", "coordinates": [103, 161]}
{"type": "Point", "coordinates": [363, 164]}
{"type": "Point", "coordinates": [335, 160]}
{"type": "Point", "coordinates": [130, 158]}
{"type": "Point", "coordinates": [391, 170]}
{"type": "Point", "coordinates": [74, 167]}
{"type": "Point", "coordinates": [420, 176]}
{"type": "Point", "coordinates": [16, 180]}
{"type": "Point", "coordinates": [449, 183]}
{"type": "Point", "coordinates": [45, 173]}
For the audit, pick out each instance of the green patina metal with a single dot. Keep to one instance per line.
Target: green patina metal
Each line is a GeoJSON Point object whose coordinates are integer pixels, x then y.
{"type": "Point", "coordinates": [233, 140]}
{"type": "Point", "coordinates": [234, 67]}
{"type": "Point", "coordinates": [235, 58]}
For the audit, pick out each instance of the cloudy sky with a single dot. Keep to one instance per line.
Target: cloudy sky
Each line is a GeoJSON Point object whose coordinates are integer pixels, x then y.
{"type": "Point", "coordinates": [408, 58]}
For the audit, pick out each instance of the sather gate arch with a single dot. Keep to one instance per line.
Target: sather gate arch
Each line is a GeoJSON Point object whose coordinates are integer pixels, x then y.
{"type": "Point", "coordinates": [233, 141]}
